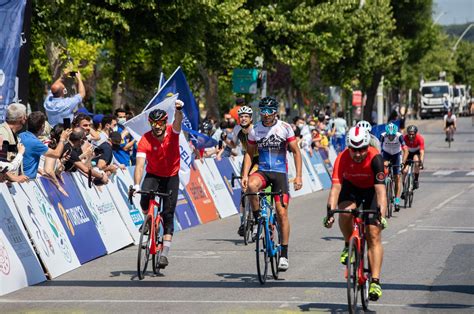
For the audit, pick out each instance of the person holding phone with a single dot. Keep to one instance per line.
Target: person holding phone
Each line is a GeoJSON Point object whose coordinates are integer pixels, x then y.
{"type": "Point", "coordinates": [5, 165]}
{"type": "Point", "coordinates": [57, 105]}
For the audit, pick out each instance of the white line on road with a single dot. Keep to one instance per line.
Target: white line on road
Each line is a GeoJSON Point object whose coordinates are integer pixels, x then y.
{"type": "Point", "coordinates": [402, 231]}
{"type": "Point", "coordinates": [470, 173]}
{"type": "Point", "coordinates": [444, 227]}
{"type": "Point", "coordinates": [450, 199]}
{"type": "Point", "coordinates": [443, 172]}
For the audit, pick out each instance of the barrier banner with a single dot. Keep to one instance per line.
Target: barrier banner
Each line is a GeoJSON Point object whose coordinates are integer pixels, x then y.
{"type": "Point", "coordinates": [313, 177]}
{"type": "Point", "coordinates": [215, 184]}
{"type": "Point", "coordinates": [226, 169]}
{"type": "Point", "coordinates": [76, 218]}
{"type": "Point", "coordinates": [332, 155]}
{"type": "Point", "coordinates": [106, 217]}
{"type": "Point", "coordinates": [44, 226]}
{"type": "Point", "coordinates": [200, 197]}
{"type": "Point", "coordinates": [237, 163]}
{"type": "Point", "coordinates": [292, 175]}
{"type": "Point", "coordinates": [318, 165]}
{"type": "Point", "coordinates": [185, 213]}
{"type": "Point", "coordinates": [19, 265]}
{"type": "Point", "coordinates": [131, 213]}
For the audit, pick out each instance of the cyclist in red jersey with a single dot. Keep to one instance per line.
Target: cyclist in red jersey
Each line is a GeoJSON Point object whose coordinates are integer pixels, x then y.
{"type": "Point", "coordinates": [160, 149]}
{"type": "Point", "coordinates": [358, 177]}
{"type": "Point", "coordinates": [416, 152]}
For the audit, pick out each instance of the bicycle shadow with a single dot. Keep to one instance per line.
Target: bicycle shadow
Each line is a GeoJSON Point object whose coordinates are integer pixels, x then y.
{"type": "Point", "coordinates": [133, 274]}
{"type": "Point", "coordinates": [236, 242]}
{"type": "Point", "coordinates": [332, 238]}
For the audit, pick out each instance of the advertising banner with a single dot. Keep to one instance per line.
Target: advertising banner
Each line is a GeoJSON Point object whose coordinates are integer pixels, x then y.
{"type": "Point", "coordinates": [292, 175]}
{"type": "Point", "coordinates": [314, 179]}
{"type": "Point", "coordinates": [45, 228]}
{"type": "Point", "coordinates": [185, 213]}
{"type": "Point", "coordinates": [237, 162]}
{"type": "Point", "coordinates": [318, 165]}
{"type": "Point", "coordinates": [131, 213]}
{"type": "Point", "coordinates": [107, 219]}
{"type": "Point", "coordinates": [200, 197]}
{"type": "Point", "coordinates": [226, 169]}
{"type": "Point", "coordinates": [77, 220]}
{"type": "Point", "coordinates": [209, 172]}
{"type": "Point", "coordinates": [332, 155]}
{"type": "Point", "coordinates": [19, 265]}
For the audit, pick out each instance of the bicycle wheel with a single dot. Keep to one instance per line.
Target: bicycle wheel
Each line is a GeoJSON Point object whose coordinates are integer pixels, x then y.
{"type": "Point", "coordinates": [389, 199]}
{"type": "Point", "coordinates": [262, 254]}
{"type": "Point", "coordinates": [406, 189]}
{"type": "Point", "coordinates": [248, 222]}
{"type": "Point", "coordinates": [144, 248]}
{"type": "Point", "coordinates": [411, 191]}
{"type": "Point", "coordinates": [364, 288]}
{"type": "Point", "coordinates": [275, 233]}
{"type": "Point", "coordinates": [352, 275]}
{"type": "Point", "coordinates": [159, 246]}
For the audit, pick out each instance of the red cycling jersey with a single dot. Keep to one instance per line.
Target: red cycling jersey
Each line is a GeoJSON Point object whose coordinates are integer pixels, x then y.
{"type": "Point", "coordinates": [162, 157]}
{"type": "Point", "coordinates": [364, 174]}
{"type": "Point", "coordinates": [417, 144]}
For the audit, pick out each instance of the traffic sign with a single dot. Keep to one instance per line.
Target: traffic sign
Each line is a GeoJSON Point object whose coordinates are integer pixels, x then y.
{"type": "Point", "coordinates": [244, 81]}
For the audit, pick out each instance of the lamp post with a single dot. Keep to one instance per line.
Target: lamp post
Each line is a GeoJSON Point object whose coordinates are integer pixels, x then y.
{"type": "Point", "coordinates": [459, 40]}
{"type": "Point", "coordinates": [438, 17]}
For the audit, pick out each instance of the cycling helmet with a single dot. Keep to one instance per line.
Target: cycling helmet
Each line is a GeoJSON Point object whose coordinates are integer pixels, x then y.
{"type": "Point", "coordinates": [364, 124]}
{"type": "Point", "coordinates": [412, 128]}
{"type": "Point", "coordinates": [268, 102]}
{"type": "Point", "coordinates": [391, 129]}
{"type": "Point", "coordinates": [206, 126]}
{"type": "Point", "coordinates": [157, 115]}
{"type": "Point", "coordinates": [358, 137]}
{"type": "Point", "coordinates": [245, 110]}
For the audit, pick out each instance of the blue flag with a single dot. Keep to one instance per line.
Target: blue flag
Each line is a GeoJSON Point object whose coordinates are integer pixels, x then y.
{"type": "Point", "coordinates": [200, 140]}
{"type": "Point", "coordinates": [177, 84]}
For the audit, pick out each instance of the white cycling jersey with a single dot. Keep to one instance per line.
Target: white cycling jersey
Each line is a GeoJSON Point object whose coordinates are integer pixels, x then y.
{"type": "Point", "coordinates": [451, 119]}
{"type": "Point", "coordinates": [394, 146]}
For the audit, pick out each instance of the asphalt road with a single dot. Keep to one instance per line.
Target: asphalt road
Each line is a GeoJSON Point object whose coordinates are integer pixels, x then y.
{"type": "Point", "coordinates": [428, 262]}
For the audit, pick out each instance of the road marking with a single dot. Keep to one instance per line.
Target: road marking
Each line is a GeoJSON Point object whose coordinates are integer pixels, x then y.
{"type": "Point", "coordinates": [443, 172]}
{"type": "Point", "coordinates": [402, 231]}
{"type": "Point", "coordinates": [444, 227]}
{"type": "Point", "coordinates": [470, 173]}
{"type": "Point", "coordinates": [444, 230]}
{"type": "Point", "coordinates": [450, 199]}
{"type": "Point", "coordinates": [198, 301]}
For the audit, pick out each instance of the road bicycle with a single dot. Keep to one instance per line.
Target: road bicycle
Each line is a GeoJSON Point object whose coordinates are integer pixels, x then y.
{"type": "Point", "coordinates": [151, 234]}
{"type": "Point", "coordinates": [449, 135]}
{"type": "Point", "coordinates": [357, 273]}
{"type": "Point", "coordinates": [409, 184]}
{"type": "Point", "coordinates": [247, 216]}
{"type": "Point", "coordinates": [390, 188]}
{"type": "Point", "coordinates": [268, 237]}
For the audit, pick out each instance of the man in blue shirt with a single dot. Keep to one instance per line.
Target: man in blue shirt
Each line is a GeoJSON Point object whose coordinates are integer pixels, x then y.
{"type": "Point", "coordinates": [58, 106]}
{"type": "Point", "coordinates": [35, 148]}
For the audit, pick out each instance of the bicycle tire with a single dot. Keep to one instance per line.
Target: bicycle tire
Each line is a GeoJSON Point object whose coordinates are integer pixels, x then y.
{"type": "Point", "coordinates": [389, 198]}
{"type": "Point", "coordinates": [248, 222]}
{"type": "Point", "coordinates": [411, 191]}
{"type": "Point", "coordinates": [144, 248]}
{"type": "Point", "coordinates": [352, 276]}
{"type": "Point", "coordinates": [364, 289]}
{"type": "Point", "coordinates": [261, 252]}
{"type": "Point", "coordinates": [159, 246]}
{"type": "Point", "coordinates": [406, 189]}
{"type": "Point", "coordinates": [276, 243]}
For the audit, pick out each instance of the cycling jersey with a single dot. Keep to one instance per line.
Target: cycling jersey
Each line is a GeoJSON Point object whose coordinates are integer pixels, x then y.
{"type": "Point", "coordinates": [362, 175]}
{"type": "Point", "coordinates": [240, 136]}
{"type": "Point", "coordinates": [162, 157]}
{"type": "Point", "coordinates": [449, 120]}
{"type": "Point", "coordinates": [418, 143]}
{"type": "Point", "coordinates": [394, 146]}
{"type": "Point", "coordinates": [272, 142]}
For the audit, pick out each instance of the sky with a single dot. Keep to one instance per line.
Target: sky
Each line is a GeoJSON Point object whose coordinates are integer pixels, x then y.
{"type": "Point", "coordinates": [455, 11]}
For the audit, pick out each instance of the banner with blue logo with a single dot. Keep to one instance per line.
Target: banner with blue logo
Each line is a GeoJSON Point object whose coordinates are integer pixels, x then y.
{"type": "Point", "coordinates": [318, 165]}
{"type": "Point", "coordinates": [177, 84]}
{"type": "Point", "coordinates": [185, 213]}
{"type": "Point", "coordinates": [226, 170]}
{"type": "Point", "coordinates": [200, 141]}
{"type": "Point", "coordinates": [11, 25]}
{"type": "Point", "coordinates": [76, 219]}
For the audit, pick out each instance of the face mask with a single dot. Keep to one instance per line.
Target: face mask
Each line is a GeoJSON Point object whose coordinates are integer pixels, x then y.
{"type": "Point", "coordinates": [115, 128]}
{"type": "Point", "coordinates": [121, 120]}
{"type": "Point", "coordinates": [300, 125]}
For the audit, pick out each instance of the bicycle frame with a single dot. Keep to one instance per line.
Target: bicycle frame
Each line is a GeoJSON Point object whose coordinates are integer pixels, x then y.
{"type": "Point", "coordinates": [269, 218]}
{"type": "Point", "coordinates": [358, 232]}
{"type": "Point", "coordinates": [156, 218]}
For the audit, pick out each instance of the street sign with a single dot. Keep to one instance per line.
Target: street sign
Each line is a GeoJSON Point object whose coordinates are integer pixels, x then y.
{"type": "Point", "coordinates": [356, 98]}
{"type": "Point", "coordinates": [244, 81]}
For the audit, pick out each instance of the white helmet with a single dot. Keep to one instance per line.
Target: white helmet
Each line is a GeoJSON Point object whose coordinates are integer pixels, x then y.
{"type": "Point", "coordinates": [246, 110]}
{"type": "Point", "coordinates": [358, 137]}
{"type": "Point", "coordinates": [364, 124]}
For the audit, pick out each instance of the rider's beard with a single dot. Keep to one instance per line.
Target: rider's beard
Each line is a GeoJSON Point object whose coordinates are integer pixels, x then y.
{"type": "Point", "coordinates": [158, 132]}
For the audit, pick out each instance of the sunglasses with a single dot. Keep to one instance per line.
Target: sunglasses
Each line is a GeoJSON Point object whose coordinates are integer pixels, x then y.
{"type": "Point", "coordinates": [157, 123]}
{"type": "Point", "coordinates": [361, 149]}
{"type": "Point", "coordinates": [267, 111]}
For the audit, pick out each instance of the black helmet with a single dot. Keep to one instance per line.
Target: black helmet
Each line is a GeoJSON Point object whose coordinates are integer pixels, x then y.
{"type": "Point", "coordinates": [157, 115]}
{"type": "Point", "coordinates": [412, 128]}
{"type": "Point", "coordinates": [268, 102]}
{"type": "Point", "coordinates": [206, 126]}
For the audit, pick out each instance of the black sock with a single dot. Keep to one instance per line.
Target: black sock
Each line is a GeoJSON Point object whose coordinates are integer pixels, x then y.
{"type": "Point", "coordinates": [256, 213]}
{"type": "Point", "coordinates": [416, 176]}
{"type": "Point", "coordinates": [346, 244]}
{"type": "Point", "coordinates": [284, 250]}
{"type": "Point", "coordinates": [376, 280]}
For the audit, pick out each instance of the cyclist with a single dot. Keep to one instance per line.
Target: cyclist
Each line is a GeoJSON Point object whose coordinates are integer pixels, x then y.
{"type": "Point", "coordinates": [449, 123]}
{"type": "Point", "coordinates": [240, 134]}
{"type": "Point", "coordinates": [359, 177]}
{"type": "Point", "coordinates": [271, 137]}
{"type": "Point", "coordinates": [393, 145]}
{"type": "Point", "coordinates": [159, 148]}
{"type": "Point", "coordinates": [374, 141]}
{"type": "Point", "coordinates": [416, 151]}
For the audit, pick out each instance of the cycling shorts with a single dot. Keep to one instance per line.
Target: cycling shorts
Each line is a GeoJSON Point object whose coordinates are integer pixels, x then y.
{"type": "Point", "coordinates": [163, 185]}
{"type": "Point", "coordinates": [394, 160]}
{"type": "Point", "coordinates": [411, 156]}
{"type": "Point", "coordinates": [353, 194]}
{"type": "Point", "coordinates": [278, 181]}
{"type": "Point", "coordinates": [448, 124]}
{"type": "Point", "coordinates": [253, 166]}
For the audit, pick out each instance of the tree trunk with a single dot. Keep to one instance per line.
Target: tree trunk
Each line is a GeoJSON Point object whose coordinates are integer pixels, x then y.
{"type": "Point", "coordinates": [117, 90]}
{"type": "Point", "coordinates": [371, 95]}
{"type": "Point", "coordinates": [210, 79]}
{"type": "Point", "coordinates": [53, 53]}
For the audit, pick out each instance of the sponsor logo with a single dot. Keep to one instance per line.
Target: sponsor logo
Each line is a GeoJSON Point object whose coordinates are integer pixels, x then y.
{"type": "Point", "coordinates": [4, 259]}
{"type": "Point", "coordinates": [380, 176]}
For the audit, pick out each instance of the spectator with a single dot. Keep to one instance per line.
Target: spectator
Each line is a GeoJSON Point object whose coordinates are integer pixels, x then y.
{"type": "Point", "coordinates": [120, 149]}
{"type": "Point", "coordinates": [15, 120]}
{"type": "Point", "coordinates": [53, 167]}
{"type": "Point", "coordinates": [85, 121]}
{"type": "Point", "coordinates": [57, 105]}
{"type": "Point", "coordinates": [226, 139]}
{"type": "Point", "coordinates": [104, 155]}
{"type": "Point", "coordinates": [96, 122]}
{"type": "Point", "coordinates": [108, 125]}
{"type": "Point", "coordinates": [15, 164]}
{"type": "Point", "coordinates": [239, 102]}
{"type": "Point", "coordinates": [121, 115]}
{"type": "Point", "coordinates": [338, 132]}
{"type": "Point", "coordinates": [35, 148]}
{"type": "Point", "coordinates": [128, 143]}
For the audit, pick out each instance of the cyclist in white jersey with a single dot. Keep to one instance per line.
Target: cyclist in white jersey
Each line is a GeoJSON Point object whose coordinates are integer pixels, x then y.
{"type": "Point", "coordinates": [272, 137]}
{"type": "Point", "coordinates": [374, 141]}
{"type": "Point", "coordinates": [449, 123]}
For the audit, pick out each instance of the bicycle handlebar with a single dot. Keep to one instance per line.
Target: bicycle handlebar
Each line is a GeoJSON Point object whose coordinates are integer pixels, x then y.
{"type": "Point", "coordinates": [132, 191]}
{"type": "Point", "coordinates": [356, 211]}
{"type": "Point", "coordinates": [263, 194]}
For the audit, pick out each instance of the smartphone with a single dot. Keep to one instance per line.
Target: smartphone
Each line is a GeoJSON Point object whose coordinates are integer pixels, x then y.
{"type": "Point", "coordinates": [67, 123]}
{"type": "Point", "coordinates": [4, 170]}
{"type": "Point", "coordinates": [4, 151]}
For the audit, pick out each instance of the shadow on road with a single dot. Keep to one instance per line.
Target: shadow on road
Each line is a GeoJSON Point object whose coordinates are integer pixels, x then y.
{"type": "Point", "coordinates": [442, 306]}
{"type": "Point", "coordinates": [332, 238]}
{"type": "Point", "coordinates": [238, 242]}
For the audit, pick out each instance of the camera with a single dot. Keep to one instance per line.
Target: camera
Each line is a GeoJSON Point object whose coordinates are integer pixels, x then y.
{"type": "Point", "coordinates": [98, 151]}
{"type": "Point", "coordinates": [72, 73]}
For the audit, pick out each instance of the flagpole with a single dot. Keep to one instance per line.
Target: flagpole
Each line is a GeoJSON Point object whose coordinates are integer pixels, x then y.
{"type": "Point", "coordinates": [156, 95]}
{"type": "Point", "coordinates": [159, 82]}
